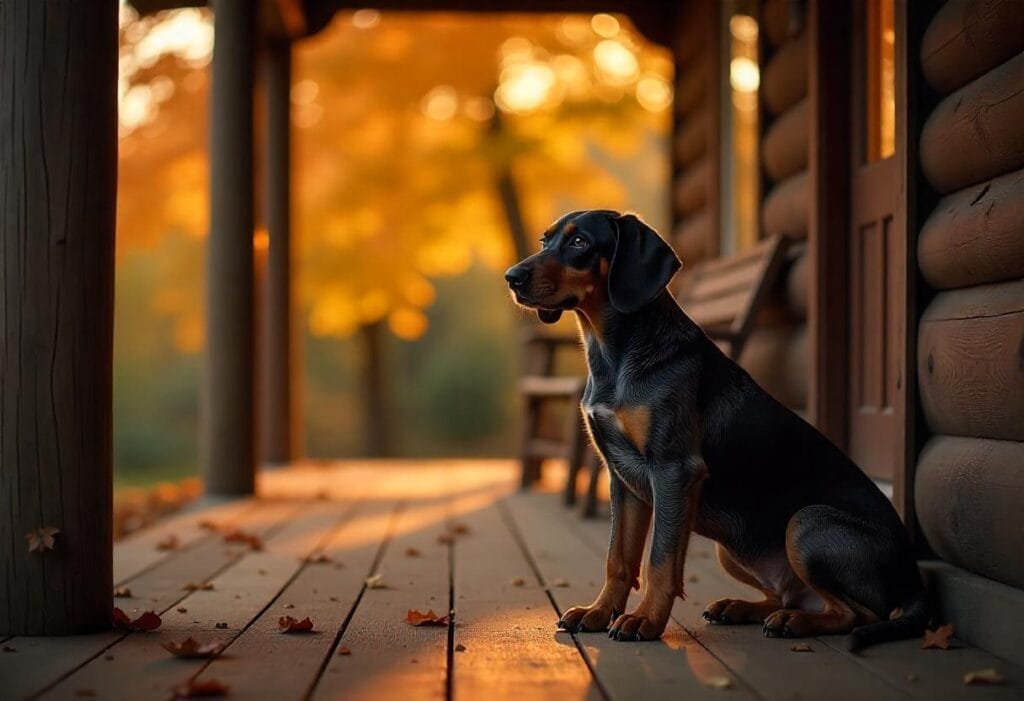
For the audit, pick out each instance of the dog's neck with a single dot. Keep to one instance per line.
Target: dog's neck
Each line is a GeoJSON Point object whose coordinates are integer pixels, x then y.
{"type": "Point", "coordinates": [612, 337]}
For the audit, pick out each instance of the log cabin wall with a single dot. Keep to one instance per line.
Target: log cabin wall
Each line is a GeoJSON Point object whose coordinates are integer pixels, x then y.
{"type": "Point", "coordinates": [969, 483]}
{"type": "Point", "coordinates": [695, 144]}
{"type": "Point", "coordinates": [777, 354]}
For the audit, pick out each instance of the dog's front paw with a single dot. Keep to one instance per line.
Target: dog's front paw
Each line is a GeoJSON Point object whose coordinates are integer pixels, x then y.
{"type": "Point", "coordinates": [630, 627]}
{"type": "Point", "coordinates": [586, 619]}
{"type": "Point", "coordinates": [783, 624]}
{"type": "Point", "coordinates": [735, 611]}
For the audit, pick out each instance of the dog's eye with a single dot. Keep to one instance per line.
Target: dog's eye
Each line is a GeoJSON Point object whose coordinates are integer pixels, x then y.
{"type": "Point", "coordinates": [578, 242]}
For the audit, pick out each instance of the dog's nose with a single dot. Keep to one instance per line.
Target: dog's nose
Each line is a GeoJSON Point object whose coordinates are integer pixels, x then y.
{"type": "Point", "coordinates": [517, 276]}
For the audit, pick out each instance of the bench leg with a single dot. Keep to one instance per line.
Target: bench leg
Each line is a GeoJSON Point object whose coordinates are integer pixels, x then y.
{"type": "Point", "coordinates": [575, 454]}
{"type": "Point", "coordinates": [590, 506]}
{"type": "Point", "coordinates": [530, 465]}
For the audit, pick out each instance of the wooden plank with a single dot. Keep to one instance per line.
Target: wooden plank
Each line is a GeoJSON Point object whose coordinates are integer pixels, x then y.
{"type": "Point", "coordinates": [691, 140]}
{"type": "Point", "coordinates": [511, 648]}
{"type": "Point", "coordinates": [252, 581]}
{"type": "Point", "coordinates": [784, 82]}
{"type": "Point", "coordinates": [784, 147]}
{"type": "Point", "coordinates": [720, 311]}
{"type": "Point", "coordinates": [390, 658]}
{"type": "Point", "coordinates": [140, 550]}
{"type": "Point", "coordinates": [677, 666]}
{"type": "Point", "coordinates": [786, 208]}
{"type": "Point", "coordinates": [262, 662]}
{"type": "Point", "coordinates": [42, 661]}
{"type": "Point", "coordinates": [536, 386]}
{"type": "Point", "coordinates": [690, 192]}
{"type": "Point", "coordinates": [707, 287]}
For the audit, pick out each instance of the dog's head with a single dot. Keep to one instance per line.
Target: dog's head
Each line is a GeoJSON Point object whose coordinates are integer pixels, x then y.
{"type": "Point", "coordinates": [592, 258]}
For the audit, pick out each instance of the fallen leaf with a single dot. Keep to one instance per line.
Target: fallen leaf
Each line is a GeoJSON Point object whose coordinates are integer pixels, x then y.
{"type": "Point", "coordinates": [41, 539]}
{"type": "Point", "coordinates": [332, 598]}
{"type": "Point", "coordinates": [287, 624]}
{"type": "Point", "coordinates": [718, 682]}
{"type": "Point", "coordinates": [169, 543]}
{"type": "Point", "coordinates": [239, 536]}
{"type": "Point", "coordinates": [937, 639]}
{"type": "Point", "coordinates": [802, 647]}
{"type": "Point", "coordinates": [376, 581]}
{"type": "Point", "coordinates": [181, 609]}
{"type": "Point", "coordinates": [8, 648]}
{"type": "Point", "coordinates": [193, 689]}
{"type": "Point", "coordinates": [459, 529]}
{"type": "Point", "coordinates": [289, 606]}
{"type": "Point", "coordinates": [460, 648]}
{"type": "Point", "coordinates": [561, 582]}
{"type": "Point", "coordinates": [412, 552]}
{"type": "Point", "coordinates": [693, 578]}
{"type": "Point", "coordinates": [984, 676]}
{"type": "Point", "coordinates": [122, 593]}
{"type": "Point", "coordinates": [446, 539]}
{"type": "Point", "coordinates": [518, 582]}
{"type": "Point", "coordinates": [344, 651]}
{"type": "Point", "coordinates": [418, 618]}
{"type": "Point", "coordinates": [221, 625]}
{"type": "Point", "coordinates": [192, 649]}
{"type": "Point", "coordinates": [208, 525]}
{"type": "Point", "coordinates": [146, 622]}
{"type": "Point", "coordinates": [318, 559]}
{"type": "Point", "coordinates": [108, 658]}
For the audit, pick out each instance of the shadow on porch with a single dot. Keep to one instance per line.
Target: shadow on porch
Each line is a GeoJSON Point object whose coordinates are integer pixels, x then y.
{"type": "Point", "coordinates": [355, 545]}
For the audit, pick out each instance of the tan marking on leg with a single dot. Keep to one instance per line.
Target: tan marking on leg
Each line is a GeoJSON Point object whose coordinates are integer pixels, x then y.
{"type": "Point", "coordinates": [635, 422]}
{"type": "Point", "coordinates": [738, 610]}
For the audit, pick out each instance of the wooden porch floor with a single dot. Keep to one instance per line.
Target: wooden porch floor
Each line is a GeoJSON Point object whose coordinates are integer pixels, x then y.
{"type": "Point", "coordinates": [523, 559]}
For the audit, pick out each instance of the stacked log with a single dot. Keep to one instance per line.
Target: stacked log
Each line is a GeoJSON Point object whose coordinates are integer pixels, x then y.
{"type": "Point", "coordinates": [969, 483]}
{"type": "Point", "coordinates": [776, 353]}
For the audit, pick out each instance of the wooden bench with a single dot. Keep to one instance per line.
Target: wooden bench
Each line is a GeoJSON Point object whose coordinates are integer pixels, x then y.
{"type": "Point", "coordinates": [723, 296]}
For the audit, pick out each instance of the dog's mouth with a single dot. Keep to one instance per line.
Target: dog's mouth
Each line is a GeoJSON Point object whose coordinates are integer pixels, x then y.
{"type": "Point", "coordinates": [547, 312]}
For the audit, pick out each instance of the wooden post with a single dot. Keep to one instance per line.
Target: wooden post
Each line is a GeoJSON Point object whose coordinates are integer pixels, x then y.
{"type": "Point", "coordinates": [276, 401]}
{"type": "Point", "coordinates": [58, 175]}
{"type": "Point", "coordinates": [229, 446]}
{"type": "Point", "coordinates": [828, 168]}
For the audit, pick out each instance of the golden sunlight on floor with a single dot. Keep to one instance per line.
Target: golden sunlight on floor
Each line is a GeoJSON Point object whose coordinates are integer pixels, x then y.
{"type": "Point", "coordinates": [356, 546]}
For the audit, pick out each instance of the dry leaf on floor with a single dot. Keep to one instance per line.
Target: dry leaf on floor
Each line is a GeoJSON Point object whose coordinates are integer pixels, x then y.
{"type": "Point", "coordinates": [181, 609]}
{"type": "Point", "coordinates": [446, 539]}
{"type": "Point", "coordinates": [288, 606]}
{"type": "Point", "coordinates": [718, 682]}
{"type": "Point", "coordinates": [147, 621]}
{"type": "Point", "coordinates": [418, 618]}
{"type": "Point", "coordinates": [459, 529]}
{"type": "Point", "coordinates": [318, 559]}
{"type": "Point", "coordinates": [193, 689]}
{"type": "Point", "coordinates": [287, 624]}
{"type": "Point", "coordinates": [802, 647]}
{"type": "Point", "coordinates": [460, 648]}
{"type": "Point", "coordinates": [693, 578]}
{"type": "Point", "coordinates": [376, 581]}
{"type": "Point", "coordinates": [561, 582]}
{"type": "Point", "coordinates": [239, 536]}
{"type": "Point", "coordinates": [221, 625]}
{"type": "Point", "coordinates": [937, 639]}
{"type": "Point", "coordinates": [169, 543]}
{"type": "Point", "coordinates": [192, 649]}
{"type": "Point", "coordinates": [344, 651]}
{"type": "Point", "coordinates": [984, 676]}
{"type": "Point", "coordinates": [518, 582]}
{"type": "Point", "coordinates": [122, 593]}
{"type": "Point", "coordinates": [41, 539]}
{"type": "Point", "coordinates": [412, 552]}
{"type": "Point", "coordinates": [208, 525]}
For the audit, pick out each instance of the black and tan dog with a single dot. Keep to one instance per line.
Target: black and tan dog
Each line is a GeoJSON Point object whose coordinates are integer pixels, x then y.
{"type": "Point", "coordinates": [690, 437]}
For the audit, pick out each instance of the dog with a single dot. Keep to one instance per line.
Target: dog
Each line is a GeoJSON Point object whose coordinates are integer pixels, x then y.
{"type": "Point", "coordinates": [692, 441]}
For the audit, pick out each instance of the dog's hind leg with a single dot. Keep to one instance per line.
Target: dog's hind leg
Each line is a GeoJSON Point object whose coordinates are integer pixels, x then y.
{"type": "Point", "coordinates": [841, 558]}
{"type": "Point", "coordinates": [733, 611]}
{"type": "Point", "coordinates": [631, 519]}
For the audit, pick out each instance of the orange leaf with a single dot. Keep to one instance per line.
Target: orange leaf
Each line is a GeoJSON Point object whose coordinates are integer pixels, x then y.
{"type": "Point", "coordinates": [802, 647]}
{"type": "Point", "coordinates": [412, 552]}
{"type": "Point", "coordinates": [459, 529]}
{"type": "Point", "coordinates": [169, 543]}
{"type": "Point", "coordinates": [344, 651]}
{"type": "Point", "coordinates": [41, 539]}
{"type": "Point", "coordinates": [208, 525]}
{"type": "Point", "coordinates": [193, 689]}
{"type": "Point", "coordinates": [418, 618]}
{"type": "Point", "coordinates": [238, 536]}
{"type": "Point", "coordinates": [287, 624]}
{"type": "Point", "coordinates": [192, 649]}
{"type": "Point", "coordinates": [937, 639]}
{"type": "Point", "coordinates": [146, 622]}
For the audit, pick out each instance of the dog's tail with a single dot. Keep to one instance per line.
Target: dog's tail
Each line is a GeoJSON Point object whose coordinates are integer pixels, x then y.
{"type": "Point", "coordinates": [910, 623]}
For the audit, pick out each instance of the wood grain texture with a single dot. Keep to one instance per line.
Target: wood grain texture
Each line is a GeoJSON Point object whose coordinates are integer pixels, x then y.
{"type": "Point", "coordinates": [776, 357]}
{"type": "Point", "coordinates": [786, 209]}
{"type": "Point", "coordinates": [970, 363]}
{"type": "Point", "coordinates": [975, 133]}
{"type": "Point", "coordinates": [58, 172]}
{"type": "Point", "coordinates": [784, 81]}
{"type": "Point", "coordinates": [785, 142]}
{"type": "Point", "coordinates": [968, 494]}
{"type": "Point", "coordinates": [691, 238]}
{"type": "Point", "coordinates": [691, 86]}
{"type": "Point", "coordinates": [690, 191]}
{"type": "Point", "coordinates": [691, 139]}
{"type": "Point", "coordinates": [966, 38]}
{"type": "Point", "coordinates": [975, 235]}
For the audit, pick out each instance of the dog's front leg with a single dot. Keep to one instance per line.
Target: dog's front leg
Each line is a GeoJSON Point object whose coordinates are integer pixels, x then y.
{"type": "Point", "coordinates": [630, 520]}
{"type": "Point", "coordinates": [676, 489]}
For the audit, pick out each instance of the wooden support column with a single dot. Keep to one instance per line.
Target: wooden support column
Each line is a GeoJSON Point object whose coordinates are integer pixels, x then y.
{"type": "Point", "coordinates": [58, 175]}
{"type": "Point", "coordinates": [828, 169]}
{"type": "Point", "coordinates": [276, 398]}
{"type": "Point", "coordinates": [229, 446]}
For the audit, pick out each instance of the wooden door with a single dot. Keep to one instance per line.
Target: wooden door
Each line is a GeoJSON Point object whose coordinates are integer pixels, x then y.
{"type": "Point", "coordinates": [874, 274]}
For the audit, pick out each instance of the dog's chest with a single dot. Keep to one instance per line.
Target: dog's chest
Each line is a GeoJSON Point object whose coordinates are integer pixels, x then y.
{"type": "Point", "coordinates": [621, 434]}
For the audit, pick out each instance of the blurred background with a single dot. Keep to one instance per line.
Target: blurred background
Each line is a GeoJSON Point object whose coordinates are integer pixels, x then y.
{"type": "Point", "coordinates": [410, 158]}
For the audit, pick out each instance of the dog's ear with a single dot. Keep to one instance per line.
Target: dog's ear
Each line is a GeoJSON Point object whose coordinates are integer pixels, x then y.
{"type": "Point", "coordinates": [641, 266]}
{"type": "Point", "coordinates": [549, 316]}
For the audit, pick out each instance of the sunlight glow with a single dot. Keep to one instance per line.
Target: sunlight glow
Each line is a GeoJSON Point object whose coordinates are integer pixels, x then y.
{"type": "Point", "coordinates": [744, 75]}
{"type": "Point", "coordinates": [616, 61]}
{"type": "Point", "coordinates": [604, 25]}
{"type": "Point", "coordinates": [653, 93]}
{"type": "Point", "coordinates": [365, 19]}
{"type": "Point", "coordinates": [525, 86]}
{"type": "Point", "coordinates": [441, 103]}
{"type": "Point", "coordinates": [743, 27]}
{"type": "Point", "coordinates": [305, 91]}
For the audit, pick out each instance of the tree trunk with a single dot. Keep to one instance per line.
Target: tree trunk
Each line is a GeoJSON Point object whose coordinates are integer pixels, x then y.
{"type": "Point", "coordinates": [375, 391]}
{"type": "Point", "coordinates": [58, 175]}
